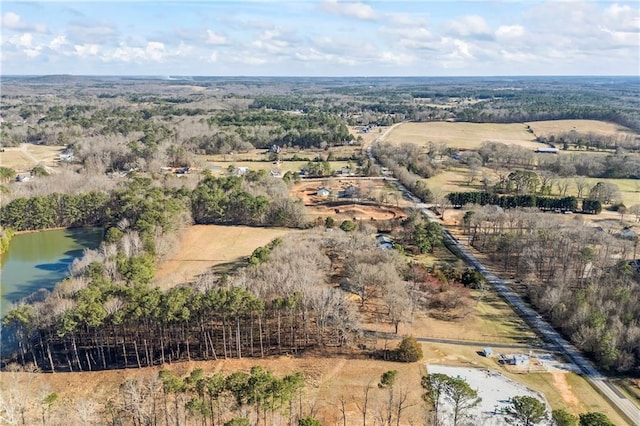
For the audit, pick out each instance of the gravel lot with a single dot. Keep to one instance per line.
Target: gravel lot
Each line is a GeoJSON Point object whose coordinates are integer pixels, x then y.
{"type": "Point", "coordinates": [494, 389]}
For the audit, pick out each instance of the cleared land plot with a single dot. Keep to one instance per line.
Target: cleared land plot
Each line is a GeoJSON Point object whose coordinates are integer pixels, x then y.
{"type": "Point", "coordinates": [391, 208]}
{"type": "Point", "coordinates": [27, 156]}
{"type": "Point", "coordinates": [285, 154]}
{"type": "Point", "coordinates": [462, 135]}
{"type": "Point", "coordinates": [205, 246]}
{"type": "Point", "coordinates": [494, 389]}
{"type": "Point", "coordinates": [542, 128]}
{"type": "Point", "coordinates": [491, 320]}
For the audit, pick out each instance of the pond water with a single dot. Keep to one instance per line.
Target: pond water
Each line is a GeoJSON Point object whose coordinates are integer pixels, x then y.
{"type": "Point", "coordinates": [41, 259]}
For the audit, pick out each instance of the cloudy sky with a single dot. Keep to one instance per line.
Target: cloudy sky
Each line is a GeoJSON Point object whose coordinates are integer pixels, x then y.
{"type": "Point", "coordinates": [321, 38]}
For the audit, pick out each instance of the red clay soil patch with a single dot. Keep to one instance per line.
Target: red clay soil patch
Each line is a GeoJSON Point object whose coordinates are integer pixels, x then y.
{"type": "Point", "coordinates": [559, 381]}
{"type": "Point", "coordinates": [357, 211]}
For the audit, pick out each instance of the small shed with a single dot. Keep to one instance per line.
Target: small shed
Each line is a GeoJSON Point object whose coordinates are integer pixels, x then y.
{"type": "Point", "coordinates": [520, 360]}
{"type": "Point", "coordinates": [547, 150]}
{"type": "Point", "coordinates": [487, 352]}
{"type": "Point", "coordinates": [323, 192]}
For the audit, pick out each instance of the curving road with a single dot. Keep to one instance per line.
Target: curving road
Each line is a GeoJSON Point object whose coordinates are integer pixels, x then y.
{"type": "Point", "coordinates": [623, 405]}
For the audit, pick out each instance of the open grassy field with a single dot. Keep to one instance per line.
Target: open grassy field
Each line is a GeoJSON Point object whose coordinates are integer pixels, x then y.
{"type": "Point", "coordinates": [491, 320]}
{"type": "Point", "coordinates": [462, 135]}
{"type": "Point", "coordinates": [456, 179]}
{"type": "Point", "coordinates": [542, 128]}
{"type": "Point", "coordinates": [206, 246]}
{"type": "Point", "coordinates": [26, 156]}
{"type": "Point", "coordinates": [629, 188]}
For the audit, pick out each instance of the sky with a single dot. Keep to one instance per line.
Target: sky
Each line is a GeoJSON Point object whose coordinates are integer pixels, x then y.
{"type": "Point", "coordinates": [320, 38]}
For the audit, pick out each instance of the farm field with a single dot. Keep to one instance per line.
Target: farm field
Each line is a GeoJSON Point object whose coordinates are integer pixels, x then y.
{"type": "Point", "coordinates": [204, 246]}
{"type": "Point", "coordinates": [542, 128]}
{"type": "Point", "coordinates": [462, 135]}
{"type": "Point", "coordinates": [26, 156]}
{"type": "Point", "coordinates": [456, 179]}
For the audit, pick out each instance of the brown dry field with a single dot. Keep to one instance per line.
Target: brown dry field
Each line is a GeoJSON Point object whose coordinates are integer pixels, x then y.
{"type": "Point", "coordinates": [26, 156]}
{"type": "Point", "coordinates": [462, 135]}
{"type": "Point", "coordinates": [205, 246]}
{"type": "Point", "coordinates": [581, 126]}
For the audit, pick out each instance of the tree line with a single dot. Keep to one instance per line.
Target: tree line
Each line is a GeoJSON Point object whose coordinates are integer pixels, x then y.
{"type": "Point", "coordinates": [460, 199]}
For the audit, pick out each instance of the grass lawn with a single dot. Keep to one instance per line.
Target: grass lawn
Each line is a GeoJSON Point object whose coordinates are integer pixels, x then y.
{"type": "Point", "coordinates": [462, 135]}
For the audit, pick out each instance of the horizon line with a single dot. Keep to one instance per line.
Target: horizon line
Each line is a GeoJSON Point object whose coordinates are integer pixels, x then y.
{"type": "Point", "coordinates": [165, 76]}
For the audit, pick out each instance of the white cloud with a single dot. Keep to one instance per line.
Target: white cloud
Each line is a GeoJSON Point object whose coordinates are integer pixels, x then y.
{"type": "Point", "coordinates": [273, 42]}
{"type": "Point", "coordinates": [250, 60]}
{"type": "Point", "coordinates": [57, 42]}
{"type": "Point", "coordinates": [155, 51]}
{"type": "Point", "coordinates": [468, 26]}
{"type": "Point", "coordinates": [87, 49]}
{"type": "Point", "coordinates": [510, 31]}
{"type": "Point", "coordinates": [216, 39]}
{"type": "Point", "coordinates": [622, 18]}
{"type": "Point", "coordinates": [396, 58]}
{"type": "Point", "coordinates": [524, 57]}
{"type": "Point", "coordinates": [13, 21]}
{"type": "Point", "coordinates": [356, 10]}
{"type": "Point", "coordinates": [405, 20]}
{"type": "Point", "coordinates": [92, 33]}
